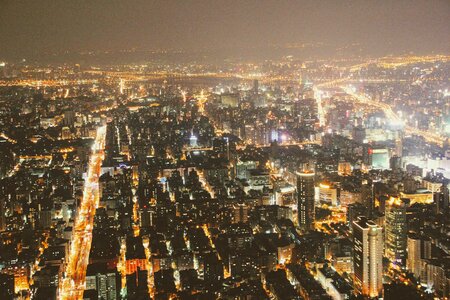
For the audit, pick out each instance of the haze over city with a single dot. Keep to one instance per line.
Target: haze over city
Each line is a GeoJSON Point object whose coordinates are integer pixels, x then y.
{"type": "Point", "coordinates": [34, 28]}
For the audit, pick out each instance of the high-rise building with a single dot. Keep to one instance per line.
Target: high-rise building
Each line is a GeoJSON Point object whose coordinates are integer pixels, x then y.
{"type": "Point", "coordinates": [438, 278]}
{"type": "Point", "coordinates": [305, 200]}
{"type": "Point", "coordinates": [395, 230]}
{"type": "Point", "coordinates": [367, 196]}
{"type": "Point", "coordinates": [45, 218]}
{"type": "Point", "coordinates": [69, 118]}
{"type": "Point", "coordinates": [255, 86]}
{"type": "Point", "coordinates": [409, 185]}
{"type": "Point", "coordinates": [367, 154]}
{"type": "Point", "coordinates": [368, 257]}
{"type": "Point", "coordinates": [399, 144]}
{"type": "Point", "coordinates": [419, 248]}
{"type": "Point", "coordinates": [355, 210]}
{"type": "Point", "coordinates": [65, 133]}
{"type": "Point", "coordinates": [102, 280]}
{"type": "Point", "coordinates": [329, 194]}
{"type": "Point", "coordinates": [213, 268]}
{"type": "Point", "coordinates": [441, 199]}
{"type": "Point", "coordinates": [359, 134]}
{"type": "Point", "coordinates": [259, 100]}
{"type": "Point", "coordinates": [240, 213]}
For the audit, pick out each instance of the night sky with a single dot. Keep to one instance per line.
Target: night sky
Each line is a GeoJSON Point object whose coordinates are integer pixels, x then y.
{"type": "Point", "coordinates": [38, 26]}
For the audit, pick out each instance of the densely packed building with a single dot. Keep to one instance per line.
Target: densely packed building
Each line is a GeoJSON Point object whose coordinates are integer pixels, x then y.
{"type": "Point", "coordinates": [308, 180]}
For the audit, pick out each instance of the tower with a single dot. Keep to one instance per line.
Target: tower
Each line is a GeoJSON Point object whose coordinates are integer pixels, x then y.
{"type": "Point", "coordinates": [305, 200]}
{"type": "Point", "coordinates": [368, 256]}
{"type": "Point", "coordinates": [395, 230]}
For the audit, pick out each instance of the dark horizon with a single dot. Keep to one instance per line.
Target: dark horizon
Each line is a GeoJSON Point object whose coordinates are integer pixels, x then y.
{"type": "Point", "coordinates": [33, 29]}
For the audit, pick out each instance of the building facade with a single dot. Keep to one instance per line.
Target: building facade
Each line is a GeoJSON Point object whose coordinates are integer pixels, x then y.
{"type": "Point", "coordinates": [368, 257]}
{"type": "Point", "coordinates": [305, 200]}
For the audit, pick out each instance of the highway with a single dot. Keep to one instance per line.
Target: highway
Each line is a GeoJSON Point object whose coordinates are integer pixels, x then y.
{"type": "Point", "coordinates": [73, 283]}
{"type": "Point", "coordinates": [429, 136]}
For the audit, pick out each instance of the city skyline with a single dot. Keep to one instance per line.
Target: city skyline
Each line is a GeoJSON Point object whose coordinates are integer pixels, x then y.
{"type": "Point", "coordinates": [233, 150]}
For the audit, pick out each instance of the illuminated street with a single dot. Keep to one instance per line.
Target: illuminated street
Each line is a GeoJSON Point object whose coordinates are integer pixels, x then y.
{"type": "Point", "coordinates": [73, 283]}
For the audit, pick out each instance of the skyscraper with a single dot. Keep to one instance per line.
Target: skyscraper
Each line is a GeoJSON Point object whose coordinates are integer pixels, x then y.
{"type": "Point", "coordinates": [419, 248]}
{"type": "Point", "coordinates": [368, 256]}
{"type": "Point", "coordinates": [367, 196]}
{"type": "Point", "coordinates": [305, 200]}
{"type": "Point", "coordinates": [213, 268]}
{"type": "Point", "coordinates": [99, 278]}
{"type": "Point", "coordinates": [395, 230]}
{"type": "Point", "coordinates": [255, 86]}
{"type": "Point", "coordinates": [399, 144]}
